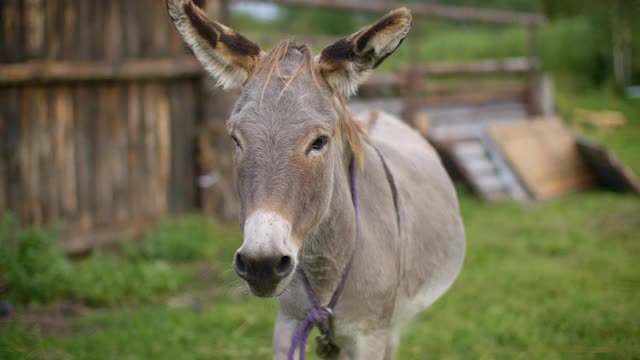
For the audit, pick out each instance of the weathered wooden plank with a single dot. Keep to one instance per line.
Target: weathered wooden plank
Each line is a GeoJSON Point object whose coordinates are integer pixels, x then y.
{"type": "Point", "coordinates": [128, 70]}
{"type": "Point", "coordinates": [83, 123]}
{"type": "Point", "coordinates": [97, 26]}
{"type": "Point", "coordinates": [150, 143]}
{"type": "Point", "coordinates": [609, 170]}
{"type": "Point", "coordinates": [4, 149]}
{"type": "Point", "coordinates": [32, 109]}
{"type": "Point", "coordinates": [13, 34]}
{"type": "Point", "coordinates": [163, 126]}
{"type": "Point", "coordinates": [544, 155]}
{"type": "Point", "coordinates": [11, 142]}
{"type": "Point", "coordinates": [83, 29]}
{"type": "Point", "coordinates": [135, 150]}
{"type": "Point", "coordinates": [183, 99]}
{"type": "Point", "coordinates": [48, 129]}
{"type": "Point", "coordinates": [132, 28]}
{"type": "Point", "coordinates": [473, 98]}
{"type": "Point", "coordinates": [65, 154]}
{"type": "Point", "coordinates": [159, 44]}
{"type": "Point", "coordinates": [35, 15]}
{"type": "Point", "coordinates": [52, 47]}
{"type": "Point", "coordinates": [146, 27]}
{"type": "Point", "coordinates": [515, 66]}
{"type": "Point", "coordinates": [70, 34]}
{"type": "Point", "coordinates": [104, 150]}
{"type": "Point", "coordinates": [118, 161]}
{"type": "Point", "coordinates": [113, 33]}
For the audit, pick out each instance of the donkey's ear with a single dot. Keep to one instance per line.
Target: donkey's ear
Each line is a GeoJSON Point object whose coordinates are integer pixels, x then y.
{"type": "Point", "coordinates": [347, 63]}
{"type": "Point", "coordinates": [224, 53]}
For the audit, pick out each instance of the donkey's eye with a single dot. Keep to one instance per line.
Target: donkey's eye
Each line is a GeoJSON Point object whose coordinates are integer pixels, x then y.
{"type": "Point", "coordinates": [318, 143]}
{"type": "Point", "coordinates": [236, 141]}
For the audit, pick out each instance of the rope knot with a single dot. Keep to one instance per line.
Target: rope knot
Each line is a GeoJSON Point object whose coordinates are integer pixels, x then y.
{"type": "Point", "coordinates": [318, 314]}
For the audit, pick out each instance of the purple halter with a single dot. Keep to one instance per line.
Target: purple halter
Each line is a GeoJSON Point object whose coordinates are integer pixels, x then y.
{"type": "Point", "coordinates": [319, 315]}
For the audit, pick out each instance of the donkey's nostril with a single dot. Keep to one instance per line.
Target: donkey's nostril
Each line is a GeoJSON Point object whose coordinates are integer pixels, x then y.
{"type": "Point", "coordinates": [240, 265]}
{"type": "Point", "coordinates": [284, 266]}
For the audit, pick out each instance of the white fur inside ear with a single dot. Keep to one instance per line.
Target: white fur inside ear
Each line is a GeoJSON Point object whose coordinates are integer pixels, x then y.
{"type": "Point", "coordinates": [345, 74]}
{"type": "Point", "coordinates": [230, 72]}
{"type": "Point", "coordinates": [227, 74]}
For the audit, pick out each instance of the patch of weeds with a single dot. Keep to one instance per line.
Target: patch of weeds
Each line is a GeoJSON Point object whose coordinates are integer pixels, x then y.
{"type": "Point", "coordinates": [187, 238]}
{"type": "Point", "coordinates": [181, 239]}
{"type": "Point", "coordinates": [35, 269]}
{"type": "Point", "coordinates": [105, 279]}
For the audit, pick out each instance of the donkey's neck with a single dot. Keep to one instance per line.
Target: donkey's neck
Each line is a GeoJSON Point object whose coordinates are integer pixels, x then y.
{"type": "Point", "coordinates": [331, 245]}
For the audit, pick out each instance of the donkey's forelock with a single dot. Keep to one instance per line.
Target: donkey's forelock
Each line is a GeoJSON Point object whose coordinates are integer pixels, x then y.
{"type": "Point", "coordinates": [287, 69]}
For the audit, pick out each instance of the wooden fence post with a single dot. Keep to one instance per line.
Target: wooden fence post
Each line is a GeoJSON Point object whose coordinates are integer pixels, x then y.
{"type": "Point", "coordinates": [412, 78]}
{"type": "Point", "coordinates": [533, 96]}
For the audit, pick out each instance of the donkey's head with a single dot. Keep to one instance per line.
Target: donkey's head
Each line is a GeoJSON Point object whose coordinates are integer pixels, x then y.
{"type": "Point", "coordinates": [291, 129]}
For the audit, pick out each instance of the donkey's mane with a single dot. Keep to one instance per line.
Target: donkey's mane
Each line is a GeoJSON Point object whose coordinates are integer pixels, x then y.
{"type": "Point", "coordinates": [347, 128]}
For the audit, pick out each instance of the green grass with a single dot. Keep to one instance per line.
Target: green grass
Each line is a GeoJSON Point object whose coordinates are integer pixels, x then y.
{"type": "Point", "coordinates": [553, 280]}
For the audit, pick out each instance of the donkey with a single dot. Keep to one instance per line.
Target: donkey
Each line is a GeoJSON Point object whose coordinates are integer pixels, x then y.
{"type": "Point", "coordinates": [366, 221]}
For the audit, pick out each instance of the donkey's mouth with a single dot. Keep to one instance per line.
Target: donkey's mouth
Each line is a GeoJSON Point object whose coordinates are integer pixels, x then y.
{"type": "Point", "coordinates": [264, 288]}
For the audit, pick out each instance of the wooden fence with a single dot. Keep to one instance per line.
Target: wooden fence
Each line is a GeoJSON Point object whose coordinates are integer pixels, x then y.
{"type": "Point", "coordinates": [99, 108]}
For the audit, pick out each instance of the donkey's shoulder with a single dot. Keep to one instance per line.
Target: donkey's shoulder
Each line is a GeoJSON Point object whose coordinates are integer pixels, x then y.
{"type": "Point", "coordinates": [390, 131]}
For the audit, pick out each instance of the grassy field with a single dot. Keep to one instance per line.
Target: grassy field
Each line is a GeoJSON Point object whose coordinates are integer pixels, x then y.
{"type": "Point", "coordinates": [552, 280]}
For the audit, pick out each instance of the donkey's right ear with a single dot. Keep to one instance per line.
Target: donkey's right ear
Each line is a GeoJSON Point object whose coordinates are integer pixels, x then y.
{"type": "Point", "coordinates": [226, 55]}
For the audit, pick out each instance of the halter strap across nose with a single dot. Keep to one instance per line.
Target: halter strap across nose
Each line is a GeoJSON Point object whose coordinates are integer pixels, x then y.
{"type": "Point", "coordinates": [318, 315]}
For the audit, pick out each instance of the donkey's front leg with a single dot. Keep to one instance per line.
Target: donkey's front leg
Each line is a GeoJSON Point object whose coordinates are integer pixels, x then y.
{"type": "Point", "coordinates": [283, 333]}
{"type": "Point", "coordinates": [369, 346]}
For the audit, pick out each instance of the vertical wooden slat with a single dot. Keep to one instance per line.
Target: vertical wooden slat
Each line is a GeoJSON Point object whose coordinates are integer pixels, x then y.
{"type": "Point", "coordinates": [159, 31]}
{"type": "Point", "coordinates": [29, 209]}
{"type": "Point", "coordinates": [183, 121]}
{"type": "Point", "coordinates": [11, 142]}
{"type": "Point", "coordinates": [83, 154]}
{"type": "Point", "coordinates": [118, 124]}
{"type": "Point", "coordinates": [151, 149]}
{"type": "Point", "coordinates": [3, 148]}
{"type": "Point", "coordinates": [70, 37]}
{"type": "Point", "coordinates": [113, 35]}
{"type": "Point", "coordinates": [533, 77]}
{"type": "Point", "coordinates": [145, 27]}
{"type": "Point", "coordinates": [97, 27]}
{"type": "Point", "coordinates": [48, 126]}
{"type": "Point", "coordinates": [164, 148]}
{"type": "Point", "coordinates": [132, 28]}
{"type": "Point", "coordinates": [84, 30]}
{"type": "Point", "coordinates": [104, 156]}
{"type": "Point", "coordinates": [65, 155]}
{"type": "Point", "coordinates": [52, 48]}
{"type": "Point", "coordinates": [10, 25]}
{"type": "Point", "coordinates": [34, 27]}
{"type": "Point", "coordinates": [135, 150]}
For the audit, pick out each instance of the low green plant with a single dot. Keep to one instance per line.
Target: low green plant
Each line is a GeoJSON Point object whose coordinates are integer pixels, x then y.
{"type": "Point", "coordinates": [106, 279]}
{"type": "Point", "coordinates": [35, 269]}
{"type": "Point", "coordinates": [187, 238]}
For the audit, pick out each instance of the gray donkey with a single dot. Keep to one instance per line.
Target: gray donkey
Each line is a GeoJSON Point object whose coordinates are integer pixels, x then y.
{"type": "Point", "coordinates": [354, 231]}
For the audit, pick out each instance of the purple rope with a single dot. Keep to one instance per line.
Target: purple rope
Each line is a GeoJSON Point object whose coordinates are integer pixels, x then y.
{"type": "Point", "coordinates": [318, 314]}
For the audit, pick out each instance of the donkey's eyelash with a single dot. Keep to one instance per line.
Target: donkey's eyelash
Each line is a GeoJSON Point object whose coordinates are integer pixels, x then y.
{"type": "Point", "coordinates": [318, 144]}
{"type": "Point", "coordinates": [236, 141]}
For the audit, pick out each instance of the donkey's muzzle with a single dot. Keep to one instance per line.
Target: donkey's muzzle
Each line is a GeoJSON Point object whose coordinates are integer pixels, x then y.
{"type": "Point", "coordinates": [263, 272]}
{"type": "Point", "coordinates": [267, 257]}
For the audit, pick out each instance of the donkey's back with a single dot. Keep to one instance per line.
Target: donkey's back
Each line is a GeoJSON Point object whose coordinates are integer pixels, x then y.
{"type": "Point", "coordinates": [431, 229]}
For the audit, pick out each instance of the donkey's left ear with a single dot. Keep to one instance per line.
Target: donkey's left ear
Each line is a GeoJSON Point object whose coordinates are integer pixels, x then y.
{"type": "Point", "coordinates": [348, 62]}
{"type": "Point", "coordinates": [228, 56]}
